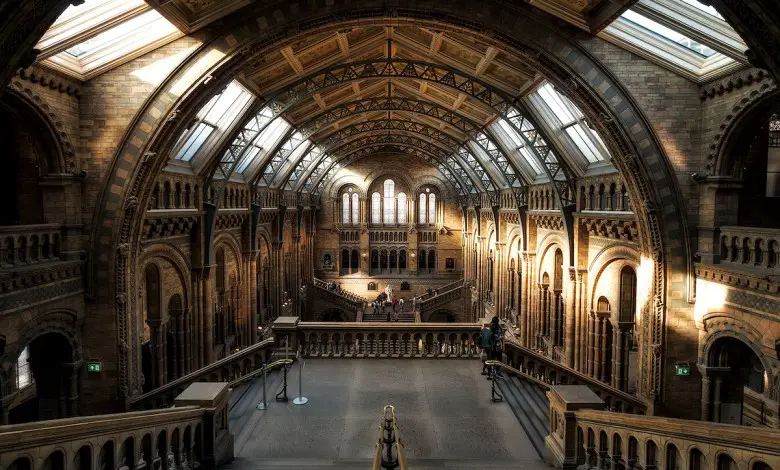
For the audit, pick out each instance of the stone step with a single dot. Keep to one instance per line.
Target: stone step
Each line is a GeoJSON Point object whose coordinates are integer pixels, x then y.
{"type": "Point", "coordinates": [530, 406]}
{"type": "Point", "coordinates": [416, 464]}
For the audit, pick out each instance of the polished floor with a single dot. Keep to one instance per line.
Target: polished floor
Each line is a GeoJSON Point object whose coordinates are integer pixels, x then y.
{"type": "Point", "coordinates": [443, 408]}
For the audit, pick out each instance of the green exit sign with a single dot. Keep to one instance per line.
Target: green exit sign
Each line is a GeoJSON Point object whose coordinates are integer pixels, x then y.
{"type": "Point", "coordinates": [682, 369]}
{"type": "Point", "coordinates": [94, 366]}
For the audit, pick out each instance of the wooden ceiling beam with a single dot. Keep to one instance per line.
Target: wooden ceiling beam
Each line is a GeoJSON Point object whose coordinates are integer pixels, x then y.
{"type": "Point", "coordinates": [486, 60]}
{"type": "Point", "coordinates": [292, 61]}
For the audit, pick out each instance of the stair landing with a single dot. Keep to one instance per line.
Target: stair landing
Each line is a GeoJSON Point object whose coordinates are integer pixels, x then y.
{"type": "Point", "coordinates": [444, 412]}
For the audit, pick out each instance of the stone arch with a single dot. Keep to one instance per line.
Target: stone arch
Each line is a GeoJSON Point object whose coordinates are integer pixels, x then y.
{"type": "Point", "coordinates": [228, 240]}
{"type": "Point", "coordinates": [374, 180]}
{"type": "Point", "coordinates": [567, 64]}
{"type": "Point", "coordinates": [759, 102]}
{"type": "Point", "coordinates": [52, 125]}
{"type": "Point", "coordinates": [339, 185]}
{"type": "Point", "coordinates": [547, 245]}
{"type": "Point", "coordinates": [620, 254]}
{"type": "Point", "coordinates": [173, 255]}
{"type": "Point", "coordinates": [444, 188]}
{"type": "Point", "coordinates": [722, 324]}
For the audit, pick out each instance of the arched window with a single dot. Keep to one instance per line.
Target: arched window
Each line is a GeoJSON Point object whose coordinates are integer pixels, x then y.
{"type": "Point", "coordinates": [376, 208]}
{"type": "Point", "coordinates": [389, 202]}
{"type": "Point", "coordinates": [401, 208]}
{"type": "Point", "coordinates": [23, 372]}
{"type": "Point", "coordinates": [421, 208]}
{"type": "Point", "coordinates": [355, 209]}
{"type": "Point", "coordinates": [431, 208]}
{"type": "Point", "coordinates": [345, 208]}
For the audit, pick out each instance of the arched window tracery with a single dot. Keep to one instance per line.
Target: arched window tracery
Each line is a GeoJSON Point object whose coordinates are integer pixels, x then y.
{"type": "Point", "coordinates": [401, 208]}
{"type": "Point", "coordinates": [376, 207]}
{"type": "Point", "coordinates": [388, 200]}
{"type": "Point", "coordinates": [423, 219]}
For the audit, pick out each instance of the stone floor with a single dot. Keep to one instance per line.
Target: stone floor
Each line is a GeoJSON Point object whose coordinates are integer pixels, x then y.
{"type": "Point", "coordinates": [443, 409]}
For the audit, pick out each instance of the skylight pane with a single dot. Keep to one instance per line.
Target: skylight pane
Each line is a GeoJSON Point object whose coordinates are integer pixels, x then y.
{"type": "Point", "coordinates": [583, 143]}
{"type": "Point", "coordinates": [705, 8]}
{"type": "Point", "coordinates": [264, 143]}
{"type": "Point", "coordinates": [556, 104]}
{"type": "Point", "coordinates": [227, 105]}
{"type": "Point", "coordinates": [667, 33]}
{"type": "Point", "coordinates": [510, 131]}
{"type": "Point", "coordinates": [148, 22]}
{"type": "Point", "coordinates": [529, 158]}
{"type": "Point", "coordinates": [194, 142]}
{"type": "Point", "coordinates": [249, 157]}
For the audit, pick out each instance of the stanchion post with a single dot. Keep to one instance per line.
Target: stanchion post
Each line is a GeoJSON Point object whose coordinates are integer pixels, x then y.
{"type": "Point", "coordinates": [264, 404]}
{"type": "Point", "coordinates": [300, 399]}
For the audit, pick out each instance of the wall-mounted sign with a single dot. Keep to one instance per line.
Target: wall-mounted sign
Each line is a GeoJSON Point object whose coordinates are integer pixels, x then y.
{"type": "Point", "coordinates": [682, 368]}
{"type": "Point", "coordinates": [94, 367]}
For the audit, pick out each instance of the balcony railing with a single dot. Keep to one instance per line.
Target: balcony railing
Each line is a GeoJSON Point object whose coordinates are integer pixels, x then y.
{"type": "Point", "coordinates": [353, 299]}
{"type": "Point", "coordinates": [751, 247]}
{"type": "Point", "coordinates": [193, 434]}
{"type": "Point", "coordinates": [551, 371]}
{"type": "Point", "coordinates": [21, 245]}
{"type": "Point", "coordinates": [391, 340]}
{"type": "Point", "coordinates": [228, 369]}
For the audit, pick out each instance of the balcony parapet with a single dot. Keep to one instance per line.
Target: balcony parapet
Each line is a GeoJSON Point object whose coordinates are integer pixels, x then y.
{"type": "Point", "coordinates": [22, 245]}
{"type": "Point", "coordinates": [733, 276]}
{"type": "Point", "coordinates": [751, 248]}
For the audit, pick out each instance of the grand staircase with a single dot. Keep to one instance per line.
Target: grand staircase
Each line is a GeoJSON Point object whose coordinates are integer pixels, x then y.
{"type": "Point", "coordinates": [345, 299]}
{"type": "Point", "coordinates": [529, 403]}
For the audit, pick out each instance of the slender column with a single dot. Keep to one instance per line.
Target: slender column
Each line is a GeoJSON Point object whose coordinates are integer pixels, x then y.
{"type": "Point", "coordinates": [571, 324]}
{"type": "Point", "coordinates": [207, 326]}
{"type": "Point", "coordinates": [524, 308]}
{"type": "Point", "coordinates": [706, 389]}
{"type": "Point", "coordinates": [187, 367]}
{"type": "Point", "coordinates": [597, 339]}
{"type": "Point", "coordinates": [252, 285]}
{"type": "Point", "coordinates": [591, 345]}
{"type": "Point", "coordinates": [553, 317]}
{"type": "Point", "coordinates": [71, 373]}
{"type": "Point", "coordinates": [582, 345]}
{"type": "Point", "coordinates": [179, 349]}
{"type": "Point", "coordinates": [617, 375]}
{"type": "Point", "coordinates": [294, 274]}
{"type": "Point", "coordinates": [603, 350]}
{"type": "Point", "coordinates": [158, 349]}
{"type": "Point", "coordinates": [716, 398]}
{"type": "Point", "coordinates": [277, 278]}
{"type": "Point", "coordinates": [501, 281]}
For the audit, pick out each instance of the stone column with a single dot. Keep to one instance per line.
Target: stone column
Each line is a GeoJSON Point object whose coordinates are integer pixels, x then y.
{"type": "Point", "coordinates": [618, 338]}
{"type": "Point", "coordinates": [71, 373]}
{"type": "Point", "coordinates": [276, 279]}
{"type": "Point", "coordinates": [501, 281]}
{"type": "Point", "coordinates": [207, 307]}
{"type": "Point", "coordinates": [706, 389]}
{"type": "Point", "coordinates": [716, 398]}
{"type": "Point", "coordinates": [295, 282]}
{"type": "Point", "coordinates": [252, 284]}
{"type": "Point", "coordinates": [597, 344]}
{"type": "Point", "coordinates": [570, 324]}
{"type": "Point", "coordinates": [156, 331]}
{"type": "Point", "coordinates": [523, 309]}
{"type": "Point", "coordinates": [591, 345]}
{"type": "Point", "coordinates": [187, 367]}
{"type": "Point", "coordinates": [180, 340]}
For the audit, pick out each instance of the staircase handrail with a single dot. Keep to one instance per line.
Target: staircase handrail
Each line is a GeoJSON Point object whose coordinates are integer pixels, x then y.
{"type": "Point", "coordinates": [389, 439]}
{"type": "Point", "coordinates": [16, 437]}
{"type": "Point", "coordinates": [445, 288]}
{"type": "Point", "coordinates": [192, 377]}
{"type": "Point", "coordinates": [519, 373]}
{"type": "Point", "coordinates": [436, 300]}
{"type": "Point", "coordinates": [258, 372]}
{"type": "Point", "coordinates": [596, 385]}
{"type": "Point", "coordinates": [344, 293]}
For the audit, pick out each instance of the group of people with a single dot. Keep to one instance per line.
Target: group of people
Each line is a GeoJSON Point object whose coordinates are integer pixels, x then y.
{"type": "Point", "coordinates": [491, 340]}
{"type": "Point", "coordinates": [383, 300]}
{"type": "Point", "coordinates": [333, 287]}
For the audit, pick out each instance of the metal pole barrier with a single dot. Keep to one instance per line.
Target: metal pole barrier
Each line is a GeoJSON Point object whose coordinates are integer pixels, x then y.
{"type": "Point", "coordinates": [300, 399]}
{"type": "Point", "coordinates": [264, 404]}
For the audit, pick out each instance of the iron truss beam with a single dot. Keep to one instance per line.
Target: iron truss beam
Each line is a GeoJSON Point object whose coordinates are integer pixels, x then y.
{"type": "Point", "coordinates": [408, 105]}
{"type": "Point", "coordinates": [315, 183]}
{"type": "Point", "coordinates": [431, 134]}
{"type": "Point", "coordinates": [500, 102]}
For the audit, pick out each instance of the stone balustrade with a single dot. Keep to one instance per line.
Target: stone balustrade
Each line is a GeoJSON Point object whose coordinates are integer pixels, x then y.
{"type": "Point", "coordinates": [750, 247]}
{"type": "Point", "coordinates": [400, 235]}
{"type": "Point", "coordinates": [194, 434]}
{"type": "Point", "coordinates": [581, 436]}
{"type": "Point", "coordinates": [22, 245]}
{"type": "Point", "coordinates": [553, 372]}
{"type": "Point", "coordinates": [447, 293]}
{"type": "Point", "coordinates": [227, 369]}
{"type": "Point", "coordinates": [380, 340]}
{"type": "Point", "coordinates": [354, 300]}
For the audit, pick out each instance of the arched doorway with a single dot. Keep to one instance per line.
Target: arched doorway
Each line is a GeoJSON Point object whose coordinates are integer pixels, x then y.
{"type": "Point", "coordinates": [47, 364]}
{"type": "Point", "coordinates": [736, 377]}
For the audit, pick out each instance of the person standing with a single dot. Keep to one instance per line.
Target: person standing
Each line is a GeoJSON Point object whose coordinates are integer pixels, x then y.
{"type": "Point", "coordinates": [497, 341]}
{"type": "Point", "coordinates": [485, 338]}
{"type": "Point", "coordinates": [401, 304]}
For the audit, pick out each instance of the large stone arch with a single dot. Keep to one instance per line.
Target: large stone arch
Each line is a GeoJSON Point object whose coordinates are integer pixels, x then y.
{"type": "Point", "coordinates": [176, 258]}
{"type": "Point", "coordinates": [638, 154]}
{"type": "Point", "coordinates": [724, 158]}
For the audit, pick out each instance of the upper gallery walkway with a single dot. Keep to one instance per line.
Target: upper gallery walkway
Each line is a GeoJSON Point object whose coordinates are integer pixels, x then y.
{"type": "Point", "coordinates": [444, 412]}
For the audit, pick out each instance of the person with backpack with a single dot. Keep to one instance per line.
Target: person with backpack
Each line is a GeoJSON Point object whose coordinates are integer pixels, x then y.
{"type": "Point", "coordinates": [485, 337]}
{"type": "Point", "coordinates": [497, 343]}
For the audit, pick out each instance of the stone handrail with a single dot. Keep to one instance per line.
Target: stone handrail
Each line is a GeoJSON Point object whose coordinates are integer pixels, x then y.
{"type": "Point", "coordinates": [350, 296]}
{"type": "Point", "coordinates": [21, 245]}
{"type": "Point", "coordinates": [229, 368]}
{"type": "Point", "coordinates": [388, 340]}
{"type": "Point", "coordinates": [442, 289]}
{"type": "Point", "coordinates": [716, 443]}
{"type": "Point", "coordinates": [751, 247]}
{"type": "Point", "coordinates": [258, 372]}
{"type": "Point", "coordinates": [758, 410]}
{"type": "Point", "coordinates": [436, 301]}
{"type": "Point", "coordinates": [389, 449]}
{"type": "Point", "coordinates": [552, 372]}
{"type": "Point", "coordinates": [518, 373]}
{"type": "Point", "coordinates": [193, 434]}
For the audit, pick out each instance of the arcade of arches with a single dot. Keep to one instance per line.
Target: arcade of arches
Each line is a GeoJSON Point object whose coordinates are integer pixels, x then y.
{"type": "Point", "coordinates": [602, 175]}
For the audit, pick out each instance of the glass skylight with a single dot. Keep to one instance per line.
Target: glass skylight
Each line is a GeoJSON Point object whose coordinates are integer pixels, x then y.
{"type": "Point", "coordinates": [219, 114]}
{"type": "Point", "coordinates": [267, 140]}
{"type": "Point", "coordinates": [519, 144]}
{"type": "Point", "coordinates": [117, 33]}
{"type": "Point", "coordinates": [667, 33]}
{"type": "Point", "coordinates": [705, 8]}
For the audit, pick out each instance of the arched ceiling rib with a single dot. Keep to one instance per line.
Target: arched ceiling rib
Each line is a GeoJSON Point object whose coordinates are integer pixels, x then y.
{"type": "Point", "coordinates": [432, 78]}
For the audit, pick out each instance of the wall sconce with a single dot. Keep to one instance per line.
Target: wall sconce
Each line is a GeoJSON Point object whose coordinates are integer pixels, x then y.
{"type": "Point", "coordinates": [365, 254]}
{"type": "Point", "coordinates": [411, 254]}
